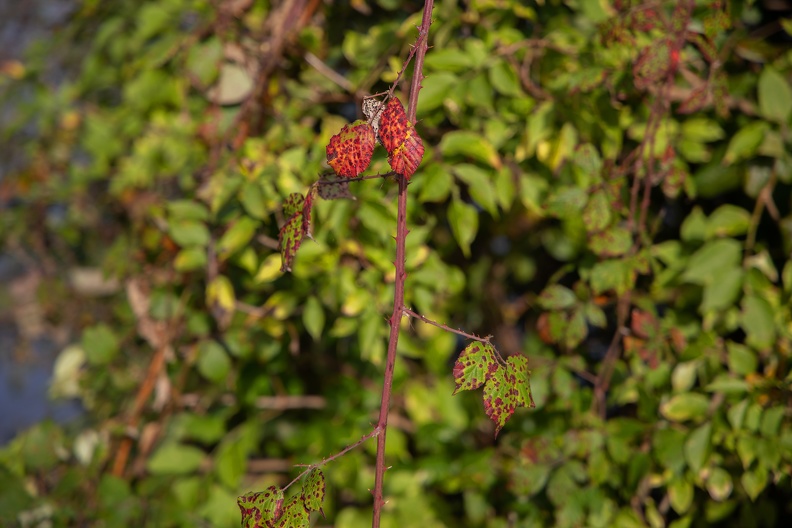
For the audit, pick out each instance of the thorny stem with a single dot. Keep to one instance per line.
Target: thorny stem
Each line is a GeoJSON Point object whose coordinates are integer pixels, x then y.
{"type": "Point", "coordinates": [401, 274]}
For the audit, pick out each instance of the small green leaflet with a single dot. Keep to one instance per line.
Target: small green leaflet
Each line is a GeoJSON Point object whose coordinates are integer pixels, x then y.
{"type": "Point", "coordinates": [506, 383]}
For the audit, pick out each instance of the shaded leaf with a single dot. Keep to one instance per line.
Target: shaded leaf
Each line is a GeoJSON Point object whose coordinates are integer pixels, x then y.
{"type": "Point", "coordinates": [557, 297]}
{"type": "Point", "coordinates": [464, 224]}
{"type": "Point", "coordinates": [775, 96]}
{"type": "Point", "coordinates": [597, 213]}
{"type": "Point", "coordinates": [175, 459]}
{"type": "Point", "coordinates": [100, 344]}
{"type": "Point", "coordinates": [712, 259]}
{"type": "Point", "coordinates": [237, 236]}
{"type": "Point", "coordinates": [612, 242]}
{"type": "Point", "coordinates": [745, 142]}
{"type": "Point", "coordinates": [698, 447]}
{"type": "Point", "coordinates": [685, 406]}
{"type": "Point", "coordinates": [469, 145]}
{"type": "Point", "coordinates": [333, 187]}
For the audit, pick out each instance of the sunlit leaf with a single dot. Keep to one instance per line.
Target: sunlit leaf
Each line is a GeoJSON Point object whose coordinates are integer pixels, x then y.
{"type": "Point", "coordinates": [261, 508]}
{"type": "Point", "coordinates": [400, 139]}
{"type": "Point", "coordinates": [349, 152]}
{"type": "Point", "coordinates": [473, 366]}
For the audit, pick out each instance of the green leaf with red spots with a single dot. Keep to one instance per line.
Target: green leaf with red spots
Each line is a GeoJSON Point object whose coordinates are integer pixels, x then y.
{"type": "Point", "coordinates": [522, 380]}
{"type": "Point", "coordinates": [507, 385]}
{"type": "Point", "coordinates": [349, 151]}
{"type": "Point", "coordinates": [297, 208]}
{"type": "Point", "coordinates": [294, 514]}
{"type": "Point", "coordinates": [473, 366]}
{"type": "Point", "coordinates": [261, 509]}
{"type": "Point", "coordinates": [652, 64]}
{"type": "Point", "coordinates": [400, 139]}
{"type": "Point", "coordinates": [500, 395]}
{"type": "Point", "coordinates": [313, 491]}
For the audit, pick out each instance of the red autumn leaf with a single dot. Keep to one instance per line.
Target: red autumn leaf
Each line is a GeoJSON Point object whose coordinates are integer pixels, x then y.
{"type": "Point", "coordinates": [400, 139]}
{"type": "Point", "coordinates": [349, 151]}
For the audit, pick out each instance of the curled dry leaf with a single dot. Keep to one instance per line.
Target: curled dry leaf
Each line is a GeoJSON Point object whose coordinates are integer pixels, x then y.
{"type": "Point", "coordinates": [400, 139]}
{"type": "Point", "coordinates": [349, 151]}
{"type": "Point", "coordinates": [372, 109]}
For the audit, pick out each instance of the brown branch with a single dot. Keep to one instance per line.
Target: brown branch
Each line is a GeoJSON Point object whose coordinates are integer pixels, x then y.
{"type": "Point", "coordinates": [157, 334]}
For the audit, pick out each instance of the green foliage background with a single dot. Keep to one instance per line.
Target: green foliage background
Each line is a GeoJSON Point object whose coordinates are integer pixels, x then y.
{"type": "Point", "coordinates": [537, 119]}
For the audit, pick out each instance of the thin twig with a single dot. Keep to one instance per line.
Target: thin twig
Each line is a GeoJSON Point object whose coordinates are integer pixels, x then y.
{"type": "Point", "coordinates": [328, 72]}
{"type": "Point", "coordinates": [347, 449]}
{"type": "Point", "coordinates": [426, 320]}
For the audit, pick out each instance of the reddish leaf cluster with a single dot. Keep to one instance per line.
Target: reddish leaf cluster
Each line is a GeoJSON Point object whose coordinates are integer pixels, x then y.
{"type": "Point", "coordinates": [264, 509]}
{"type": "Point", "coordinates": [506, 383]}
{"type": "Point", "coordinates": [349, 152]}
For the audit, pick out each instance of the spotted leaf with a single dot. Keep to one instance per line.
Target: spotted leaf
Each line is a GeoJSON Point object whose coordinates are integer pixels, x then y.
{"type": "Point", "coordinates": [349, 151]}
{"type": "Point", "coordinates": [313, 491]}
{"type": "Point", "coordinates": [333, 187]}
{"type": "Point", "coordinates": [473, 366]}
{"type": "Point", "coordinates": [522, 380]}
{"type": "Point", "coordinates": [261, 508]}
{"type": "Point", "coordinates": [500, 395]}
{"type": "Point", "coordinates": [294, 514]}
{"type": "Point", "coordinates": [653, 64]}
{"type": "Point", "coordinates": [297, 208]}
{"type": "Point", "coordinates": [400, 139]}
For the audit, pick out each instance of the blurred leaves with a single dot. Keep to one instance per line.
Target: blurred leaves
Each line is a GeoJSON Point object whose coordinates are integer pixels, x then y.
{"type": "Point", "coordinates": [591, 170]}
